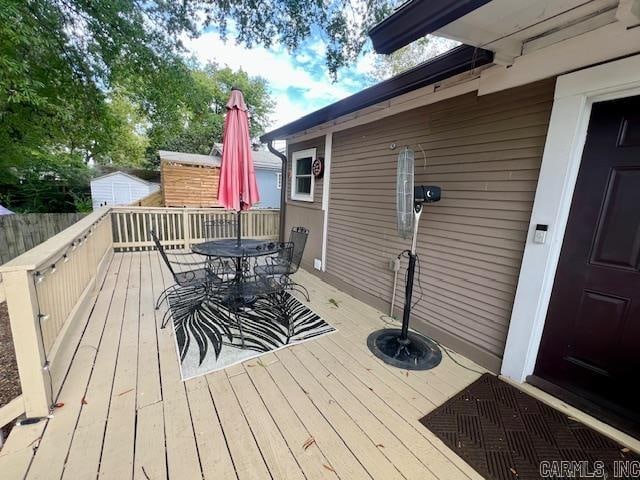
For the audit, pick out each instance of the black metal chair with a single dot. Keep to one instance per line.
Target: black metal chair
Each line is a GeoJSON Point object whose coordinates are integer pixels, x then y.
{"type": "Point", "coordinates": [245, 289]}
{"type": "Point", "coordinates": [217, 229]}
{"type": "Point", "coordinates": [184, 278]}
{"type": "Point", "coordinates": [286, 264]}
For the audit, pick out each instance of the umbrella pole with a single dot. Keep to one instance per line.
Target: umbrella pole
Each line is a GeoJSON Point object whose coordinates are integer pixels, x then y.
{"type": "Point", "coordinates": [238, 226]}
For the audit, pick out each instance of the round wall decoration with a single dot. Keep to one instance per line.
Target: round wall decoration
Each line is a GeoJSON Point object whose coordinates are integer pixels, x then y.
{"type": "Point", "coordinates": [317, 168]}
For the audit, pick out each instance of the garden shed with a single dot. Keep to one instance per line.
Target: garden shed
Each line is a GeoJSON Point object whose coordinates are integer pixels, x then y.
{"type": "Point", "coordinates": [120, 188]}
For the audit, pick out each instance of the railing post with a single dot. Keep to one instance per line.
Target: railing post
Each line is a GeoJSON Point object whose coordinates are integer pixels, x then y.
{"type": "Point", "coordinates": [27, 341]}
{"type": "Point", "coordinates": [186, 229]}
{"type": "Point", "coordinates": [250, 219]}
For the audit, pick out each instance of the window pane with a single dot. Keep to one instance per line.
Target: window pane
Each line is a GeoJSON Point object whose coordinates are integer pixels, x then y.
{"type": "Point", "coordinates": [303, 185]}
{"type": "Point", "coordinates": [303, 166]}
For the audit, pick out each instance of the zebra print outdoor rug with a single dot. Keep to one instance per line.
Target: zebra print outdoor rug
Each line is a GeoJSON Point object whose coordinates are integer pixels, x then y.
{"type": "Point", "coordinates": [208, 336]}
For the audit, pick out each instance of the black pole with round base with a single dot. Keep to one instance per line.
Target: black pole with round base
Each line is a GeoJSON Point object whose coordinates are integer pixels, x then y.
{"type": "Point", "coordinates": [400, 347]}
{"type": "Point", "coordinates": [413, 353]}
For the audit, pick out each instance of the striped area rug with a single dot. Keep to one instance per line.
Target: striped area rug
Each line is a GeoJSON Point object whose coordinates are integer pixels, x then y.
{"type": "Point", "coordinates": [210, 337]}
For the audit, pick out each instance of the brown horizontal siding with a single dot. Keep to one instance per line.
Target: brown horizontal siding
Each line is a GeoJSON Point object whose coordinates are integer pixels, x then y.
{"type": "Point", "coordinates": [485, 153]}
{"type": "Point", "coordinates": [306, 214]}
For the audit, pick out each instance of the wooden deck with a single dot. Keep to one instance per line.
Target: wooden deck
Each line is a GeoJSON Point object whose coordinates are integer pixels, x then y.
{"type": "Point", "coordinates": [319, 410]}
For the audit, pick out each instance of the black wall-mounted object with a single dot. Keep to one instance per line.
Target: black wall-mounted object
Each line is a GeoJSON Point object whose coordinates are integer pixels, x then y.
{"type": "Point", "coordinates": [317, 168]}
{"type": "Point", "coordinates": [426, 193]}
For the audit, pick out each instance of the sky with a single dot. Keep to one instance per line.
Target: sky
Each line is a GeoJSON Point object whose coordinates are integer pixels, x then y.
{"type": "Point", "coordinates": [299, 82]}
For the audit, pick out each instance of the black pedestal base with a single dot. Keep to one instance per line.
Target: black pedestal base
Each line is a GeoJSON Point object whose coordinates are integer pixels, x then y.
{"type": "Point", "coordinates": [415, 353]}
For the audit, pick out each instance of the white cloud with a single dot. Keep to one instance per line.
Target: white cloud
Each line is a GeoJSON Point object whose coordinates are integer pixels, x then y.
{"type": "Point", "coordinates": [278, 68]}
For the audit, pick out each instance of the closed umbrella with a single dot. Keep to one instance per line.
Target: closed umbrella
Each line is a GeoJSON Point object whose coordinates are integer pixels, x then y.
{"type": "Point", "coordinates": [237, 188]}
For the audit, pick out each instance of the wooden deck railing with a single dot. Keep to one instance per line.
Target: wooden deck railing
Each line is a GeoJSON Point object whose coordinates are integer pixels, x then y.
{"type": "Point", "coordinates": [181, 227]}
{"type": "Point", "coordinates": [48, 291]}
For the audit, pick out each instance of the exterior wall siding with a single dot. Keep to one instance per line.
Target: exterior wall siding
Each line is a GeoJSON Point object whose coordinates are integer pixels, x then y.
{"type": "Point", "coordinates": [267, 186]}
{"type": "Point", "coordinates": [485, 153]}
{"type": "Point", "coordinates": [306, 214]}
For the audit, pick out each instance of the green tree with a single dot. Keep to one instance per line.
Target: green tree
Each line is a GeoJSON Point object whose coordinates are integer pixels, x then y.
{"type": "Point", "coordinates": [56, 183]}
{"type": "Point", "coordinates": [127, 138]}
{"type": "Point", "coordinates": [198, 122]}
{"type": "Point", "coordinates": [342, 24]}
{"type": "Point", "coordinates": [89, 79]}
{"type": "Point", "coordinates": [386, 66]}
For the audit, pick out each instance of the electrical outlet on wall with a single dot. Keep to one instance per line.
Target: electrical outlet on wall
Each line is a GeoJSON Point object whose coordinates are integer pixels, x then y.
{"type": "Point", "coordinates": [394, 264]}
{"type": "Point", "coordinates": [317, 264]}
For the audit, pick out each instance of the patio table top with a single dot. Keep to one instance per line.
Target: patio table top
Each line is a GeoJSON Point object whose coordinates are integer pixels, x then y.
{"type": "Point", "coordinates": [229, 248]}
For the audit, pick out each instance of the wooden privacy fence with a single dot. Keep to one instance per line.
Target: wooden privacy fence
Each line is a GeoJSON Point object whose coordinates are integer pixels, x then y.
{"type": "Point", "coordinates": [49, 290]}
{"type": "Point", "coordinates": [152, 200]}
{"type": "Point", "coordinates": [181, 227]}
{"type": "Point", "coordinates": [22, 232]}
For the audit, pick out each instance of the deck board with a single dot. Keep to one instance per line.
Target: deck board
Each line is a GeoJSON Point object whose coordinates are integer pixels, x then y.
{"type": "Point", "coordinates": [183, 460]}
{"type": "Point", "coordinates": [324, 409]}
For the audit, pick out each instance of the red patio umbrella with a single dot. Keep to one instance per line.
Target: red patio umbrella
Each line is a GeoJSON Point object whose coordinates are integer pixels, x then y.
{"type": "Point", "coordinates": [237, 188]}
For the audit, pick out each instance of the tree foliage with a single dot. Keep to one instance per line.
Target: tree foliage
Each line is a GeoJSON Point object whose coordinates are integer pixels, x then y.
{"type": "Point", "coordinates": [107, 81]}
{"type": "Point", "coordinates": [343, 24]}
{"type": "Point", "coordinates": [387, 66]}
{"type": "Point", "coordinates": [198, 123]}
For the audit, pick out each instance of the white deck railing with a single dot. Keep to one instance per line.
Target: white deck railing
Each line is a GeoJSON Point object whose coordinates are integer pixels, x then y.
{"type": "Point", "coordinates": [181, 227]}
{"type": "Point", "coordinates": [47, 288]}
{"type": "Point", "coordinates": [50, 288]}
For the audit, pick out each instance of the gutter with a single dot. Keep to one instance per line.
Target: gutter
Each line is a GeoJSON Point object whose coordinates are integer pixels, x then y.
{"type": "Point", "coordinates": [457, 60]}
{"type": "Point", "coordinates": [417, 18]}
{"type": "Point", "coordinates": [283, 188]}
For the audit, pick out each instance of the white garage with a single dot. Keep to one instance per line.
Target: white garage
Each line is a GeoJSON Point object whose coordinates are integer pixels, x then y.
{"type": "Point", "coordinates": [120, 188]}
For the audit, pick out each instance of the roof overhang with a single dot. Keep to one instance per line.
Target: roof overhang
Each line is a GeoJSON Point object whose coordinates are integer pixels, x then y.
{"type": "Point", "coordinates": [453, 62]}
{"type": "Point", "coordinates": [417, 18]}
{"type": "Point", "coordinates": [128, 175]}
{"type": "Point", "coordinates": [512, 28]}
{"type": "Point", "coordinates": [509, 28]}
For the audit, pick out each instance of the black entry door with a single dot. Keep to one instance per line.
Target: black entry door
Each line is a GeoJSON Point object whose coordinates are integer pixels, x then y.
{"type": "Point", "coordinates": [591, 342]}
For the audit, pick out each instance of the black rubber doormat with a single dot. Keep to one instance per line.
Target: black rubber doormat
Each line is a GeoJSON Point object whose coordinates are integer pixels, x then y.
{"type": "Point", "coordinates": [506, 434]}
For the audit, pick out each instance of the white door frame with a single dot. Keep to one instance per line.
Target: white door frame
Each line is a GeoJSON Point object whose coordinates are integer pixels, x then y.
{"type": "Point", "coordinates": [574, 95]}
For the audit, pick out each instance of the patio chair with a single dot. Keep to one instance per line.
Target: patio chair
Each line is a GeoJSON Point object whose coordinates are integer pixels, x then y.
{"type": "Point", "coordinates": [286, 265]}
{"type": "Point", "coordinates": [190, 277]}
{"type": "Point", "coordinates": [243, 291]}
{"type": "Point", "coordinates": [216, 230]}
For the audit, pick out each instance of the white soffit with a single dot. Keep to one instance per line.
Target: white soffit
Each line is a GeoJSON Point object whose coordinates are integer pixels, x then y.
{"type": "Point", "coordinates": [507, 27]}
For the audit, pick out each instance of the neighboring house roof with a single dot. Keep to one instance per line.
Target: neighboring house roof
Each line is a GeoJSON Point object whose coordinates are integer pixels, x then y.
{"type": "Point", "coordinates": [262, 159]}
{"type": "Point", "coordinates": [415, 19]}
{"type": "Point", "coordinates": [266, 160]}
{"type": "Point", "coordinates": [189, 158]}
{"type": "Point", "coordinates": [151, 176]}
{"type": "Point", "coordinates": [119, 172]}
{"type": "Point", "coordinates": [453, 62]}
{"type": "Point", "coordinates": [5, 211]}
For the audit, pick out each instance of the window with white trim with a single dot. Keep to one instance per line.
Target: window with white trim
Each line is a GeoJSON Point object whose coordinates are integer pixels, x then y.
{"type": "Point", "coordinates": [279, 180]}
{"type": "Point", "coordinates": [302, 179]}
